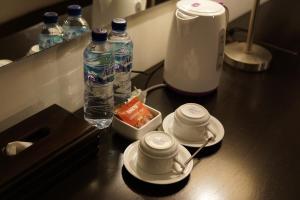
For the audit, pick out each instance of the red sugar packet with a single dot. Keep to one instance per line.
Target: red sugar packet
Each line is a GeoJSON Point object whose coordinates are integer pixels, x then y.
{"type": "Point", "coordinates": [134, 113]}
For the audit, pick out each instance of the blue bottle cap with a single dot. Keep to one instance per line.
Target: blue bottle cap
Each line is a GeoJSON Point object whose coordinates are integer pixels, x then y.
{"type": "Point", "coordinates": [74, 10]}
{"type": "Point", "coordinates": [99, 35]}
{"type": "Point", "coordinates": [118, 24]}
{"type": "Point", "coordinates": [50, 17]}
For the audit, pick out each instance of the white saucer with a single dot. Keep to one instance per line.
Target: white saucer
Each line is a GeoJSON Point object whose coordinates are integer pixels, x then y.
{"type": "Point", "coordinates": [213, 122]}
{"type": "Point", "coordinates": [130, 163]}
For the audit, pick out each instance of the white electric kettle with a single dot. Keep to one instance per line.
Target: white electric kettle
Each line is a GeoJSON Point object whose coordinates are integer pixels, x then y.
{"type": "Point", "coordinates": [195, 49]}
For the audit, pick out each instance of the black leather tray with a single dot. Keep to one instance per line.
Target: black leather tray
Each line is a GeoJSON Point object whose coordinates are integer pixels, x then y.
{"type": "Point", "coordinates": [61, 142]}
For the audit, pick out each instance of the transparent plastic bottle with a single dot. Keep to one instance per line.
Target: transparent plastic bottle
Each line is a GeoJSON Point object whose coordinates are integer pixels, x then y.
{"type": "Point", "coordinates": [74, 25]}
{"type": "Point", "coordinates": [51, 33]}
{"type": "Point", "coordinates": [98, 78]}
{"type": "Point", "coordinates": [122, 46]}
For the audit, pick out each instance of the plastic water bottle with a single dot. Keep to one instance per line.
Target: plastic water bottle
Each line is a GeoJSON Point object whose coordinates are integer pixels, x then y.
{"type": "Point", "coordinates": [74, 25]}
{"type": "Point", "coordinates": [122, 46]}
{"type": "Point", "coordinates": [51, 33]}
{"type": "Point", "coordinates": [98, 78]}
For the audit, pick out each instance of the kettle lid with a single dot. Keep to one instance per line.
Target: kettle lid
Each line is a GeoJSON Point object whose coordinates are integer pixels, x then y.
{"type": "Point", "coordinates": [200, 7]}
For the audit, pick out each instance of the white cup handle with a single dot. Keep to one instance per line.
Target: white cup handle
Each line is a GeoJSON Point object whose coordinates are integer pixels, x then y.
{"type": "Point", "coordinates": [180, 164]}
{"type": "Point", "coordinates": [210, 129]}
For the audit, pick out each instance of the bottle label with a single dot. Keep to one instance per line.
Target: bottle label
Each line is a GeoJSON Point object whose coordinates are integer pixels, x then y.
{"type": "Point", "coordinates": [74, 32]}
{"type": "Point", "coordinates": [101, 73]}
{"type": "Point", "coordinates": [47, 41]}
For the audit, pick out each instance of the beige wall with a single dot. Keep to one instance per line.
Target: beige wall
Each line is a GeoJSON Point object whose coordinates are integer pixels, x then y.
{"type": "Point", "coordinates": [55, 75]}
{"type": "Point", "coordinates": [15, 8]}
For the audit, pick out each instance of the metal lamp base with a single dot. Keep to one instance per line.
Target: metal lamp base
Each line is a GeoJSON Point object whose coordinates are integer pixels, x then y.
{"type": "Point", "coordinates": [256, 60]}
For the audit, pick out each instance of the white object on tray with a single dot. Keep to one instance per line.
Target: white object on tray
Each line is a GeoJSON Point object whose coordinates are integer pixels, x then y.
{"type": "Point", "coordinates": [13, 148]}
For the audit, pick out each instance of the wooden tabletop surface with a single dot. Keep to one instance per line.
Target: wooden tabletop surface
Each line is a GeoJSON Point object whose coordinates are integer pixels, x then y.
{"type": "Point", "coordinates": [257, 159]}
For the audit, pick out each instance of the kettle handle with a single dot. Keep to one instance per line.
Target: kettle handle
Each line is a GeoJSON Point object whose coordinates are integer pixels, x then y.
{"type": "Point", "coordinates": [183, 16]}
{"type": "Point", "coordinates": [226, 10]}
{"type": "Point", "coordinates": [227, 14]}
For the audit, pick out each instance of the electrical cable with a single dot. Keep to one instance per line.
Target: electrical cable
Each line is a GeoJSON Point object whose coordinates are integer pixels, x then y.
{"type": "Point", "coordinates": [151, 74]}
{"type": "Point", "coordinates": [140, 72]}
{"type": "Point", "coordinates": [144, 93]}
{"type": "Point", "coordinates": [154, 87]}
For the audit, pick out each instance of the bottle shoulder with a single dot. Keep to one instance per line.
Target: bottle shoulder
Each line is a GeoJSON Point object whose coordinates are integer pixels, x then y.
{"type": "Point", "coordinates": [119, 37]}
{"type": "Point", "coordinates": [94, 47]}
{"type": "Point", "coordinates": [52, 29]}
{"type": "Point", "coordinates": [75, 21]}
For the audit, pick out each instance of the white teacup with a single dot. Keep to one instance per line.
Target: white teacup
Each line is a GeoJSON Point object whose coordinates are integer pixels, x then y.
{"type": "Point", "coordinates": [191, 122]}
{"type": "Point", "coordinates": [157, 153]}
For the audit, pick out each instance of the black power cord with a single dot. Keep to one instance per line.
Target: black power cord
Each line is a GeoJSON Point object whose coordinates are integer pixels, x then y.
{"type": "Point", "coordinates": [151, 74]}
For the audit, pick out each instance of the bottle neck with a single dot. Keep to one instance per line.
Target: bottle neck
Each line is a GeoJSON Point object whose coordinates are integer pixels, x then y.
{"type": "Point", "coordinates": [74, 16]}
{"type": "Point", "coordinates": [51, 24]}
{"type": "Point", "coordinates": [119, 32]}
{"type": "Point", "coordinates": [98, 42]}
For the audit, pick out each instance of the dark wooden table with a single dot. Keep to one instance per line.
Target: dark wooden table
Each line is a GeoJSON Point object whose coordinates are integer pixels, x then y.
{"type": "Point", "coordinates": [257, 159]}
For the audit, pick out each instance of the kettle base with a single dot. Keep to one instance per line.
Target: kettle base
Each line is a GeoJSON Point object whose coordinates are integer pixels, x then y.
{"type": "Point", "coordinates": [194, 94]}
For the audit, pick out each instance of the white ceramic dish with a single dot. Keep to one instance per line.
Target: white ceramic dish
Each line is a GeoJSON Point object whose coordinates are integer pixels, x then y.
{"type": "Point", "coordinates": [213, 122]}
{"type": "Point", "coordinates": [130, 163]}
{"type": "Point", "coordinates": [134, 133]}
